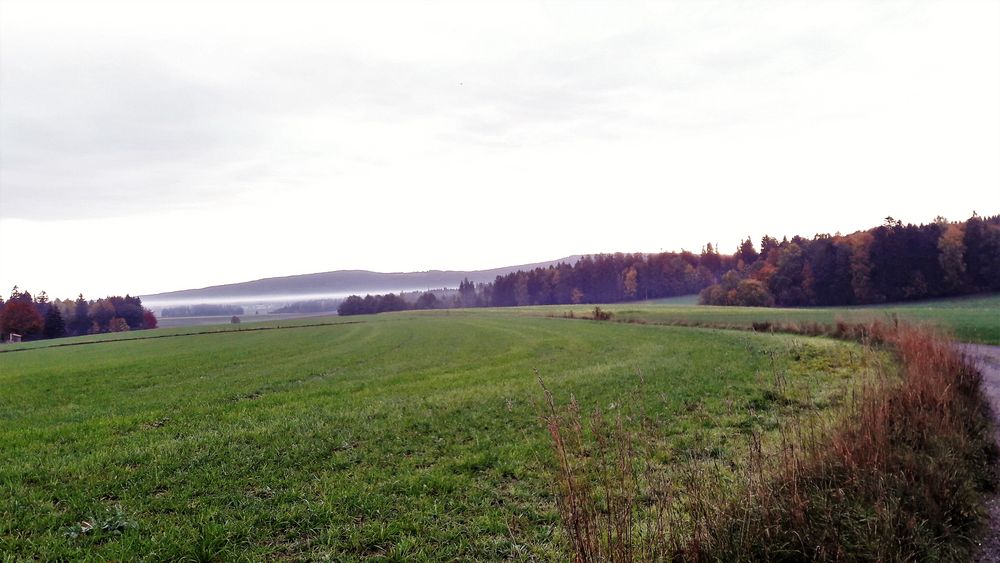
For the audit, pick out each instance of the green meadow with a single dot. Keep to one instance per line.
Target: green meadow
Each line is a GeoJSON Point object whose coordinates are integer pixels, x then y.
{"type": "Point", "coordinates": [412, 436]}
{"type": "Point", "coordinates": [969, 319]}
{"type": "Point", "coordinates": [408, 436]}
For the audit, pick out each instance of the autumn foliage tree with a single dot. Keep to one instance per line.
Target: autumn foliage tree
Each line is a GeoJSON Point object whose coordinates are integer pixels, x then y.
{"type": "Point", "coordinates": [40, 317]}
{"type": "Point", "coordinates": [118, 324]}
{"type": "Point", "coordinates": [148, 319]}
{"type": "Point", "coordinates": [891, 262]}
{"type": "Point", "coordinates": [951, 248]}
{"type": "Point", "coordinates": [21, 317]}
{"type": "Point", "coordinates": [101, 313]}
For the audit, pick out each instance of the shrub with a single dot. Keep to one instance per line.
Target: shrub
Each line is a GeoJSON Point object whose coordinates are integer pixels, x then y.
{"type": "Point", "coordinates": [752, 293]}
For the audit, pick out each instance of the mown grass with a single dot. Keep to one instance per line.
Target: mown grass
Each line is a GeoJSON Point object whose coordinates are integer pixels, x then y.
{"type": "Point", "coordinates": [970, 319]}
{"type": "Point", "coordinates": [398, 437]}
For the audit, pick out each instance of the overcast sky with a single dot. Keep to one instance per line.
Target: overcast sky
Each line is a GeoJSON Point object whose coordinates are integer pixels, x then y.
{"type": "Point", "coordinates": [151, 146]}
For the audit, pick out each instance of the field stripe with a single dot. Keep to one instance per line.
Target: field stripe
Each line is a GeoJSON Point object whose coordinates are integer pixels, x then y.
{"type": "Point", "coordinates": [255, 329]}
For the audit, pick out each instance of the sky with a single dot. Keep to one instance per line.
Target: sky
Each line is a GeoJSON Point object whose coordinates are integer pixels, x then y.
{"type": "Point", "coordinates": [148, 146]}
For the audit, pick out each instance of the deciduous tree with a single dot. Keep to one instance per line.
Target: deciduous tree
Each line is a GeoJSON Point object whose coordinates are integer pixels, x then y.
{"type": "Point", "coordinates": [20, 317]}
{"type": "Point", "coordinates": [951, 247]}
{"type": "Point", "coordinates": [631, 283]}
{"type": "Point", "coordinates": [148, 319]}
{"type": "Point", "coordinates": [861, 268]}
{"type": "Point", "coordinates": [102, 311]}
{"type": "Point", "coordinates": [118, 324]}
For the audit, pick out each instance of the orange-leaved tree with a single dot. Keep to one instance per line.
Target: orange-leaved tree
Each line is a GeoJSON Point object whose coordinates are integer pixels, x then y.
{"type": "Point", "coordinates": [20, 317]}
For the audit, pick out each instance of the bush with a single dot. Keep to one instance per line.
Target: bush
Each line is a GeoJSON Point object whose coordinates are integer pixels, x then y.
{"type": "Point", "coordinates": [752, 293]}
{"type": "Point", "coordinates": [713, 295]}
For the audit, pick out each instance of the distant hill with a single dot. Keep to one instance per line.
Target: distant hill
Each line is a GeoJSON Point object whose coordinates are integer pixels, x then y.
{"type": "Point", "coordinates": [340, 282]}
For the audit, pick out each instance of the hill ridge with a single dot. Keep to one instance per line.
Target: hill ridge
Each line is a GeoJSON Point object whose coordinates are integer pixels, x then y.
{"type": "Point", "coordinates": [347, 281]}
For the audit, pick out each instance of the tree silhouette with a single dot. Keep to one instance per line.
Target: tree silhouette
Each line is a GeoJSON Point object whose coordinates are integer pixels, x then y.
{"type": "Point", "coordinates": [54, 326]}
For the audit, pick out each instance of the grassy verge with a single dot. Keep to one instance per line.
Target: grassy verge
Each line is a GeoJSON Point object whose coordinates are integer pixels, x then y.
{"type": "Point", "coordinates": [899, 475]}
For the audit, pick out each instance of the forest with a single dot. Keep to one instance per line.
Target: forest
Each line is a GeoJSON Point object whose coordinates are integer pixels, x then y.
{"type": "Point", "coordinates": [889, 263]}
{"type": "Point", "coordinates": [309, 306]}
{"type": "Point", "coordinates": [37, 317]}
{"type": "Point", "coordinates": [202, 310]}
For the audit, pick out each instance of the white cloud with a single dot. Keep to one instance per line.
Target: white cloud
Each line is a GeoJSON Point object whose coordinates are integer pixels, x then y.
{"type": "Point", "coordinates": [225, 141]}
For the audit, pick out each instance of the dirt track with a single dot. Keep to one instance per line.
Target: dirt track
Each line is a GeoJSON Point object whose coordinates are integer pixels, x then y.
{"type": "Point", "coordinates": [987, 359]}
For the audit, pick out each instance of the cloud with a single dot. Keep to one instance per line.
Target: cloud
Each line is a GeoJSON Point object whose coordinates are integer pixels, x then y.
{"type": "Point", "coordinates": [355, 121]}
{"type": "Point", "coordinates": [120, 126]}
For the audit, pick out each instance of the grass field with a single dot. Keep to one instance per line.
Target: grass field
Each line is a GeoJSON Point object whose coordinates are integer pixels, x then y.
{"type": "Point", "coordinates": [396, 437]}
{"type": "Point", "coordinates": [970, 319]}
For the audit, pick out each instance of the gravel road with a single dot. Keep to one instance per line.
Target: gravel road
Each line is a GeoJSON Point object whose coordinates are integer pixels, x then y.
{"type": "Point", "coordinates": [987, 360]}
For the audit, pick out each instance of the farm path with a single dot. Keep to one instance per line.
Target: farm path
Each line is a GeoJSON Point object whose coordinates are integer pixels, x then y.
{"type": "Point", "coordinates": [987, 360]}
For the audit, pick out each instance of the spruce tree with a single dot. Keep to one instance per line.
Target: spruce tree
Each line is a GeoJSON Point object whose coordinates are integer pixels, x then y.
{"type": "Point", "coordinates": [80, 323]}
{"type": "Point", "coordinates": [54, 326]}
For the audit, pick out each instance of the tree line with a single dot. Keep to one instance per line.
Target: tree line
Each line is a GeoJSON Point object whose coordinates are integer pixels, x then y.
{"type": "Point", "coordinates": [37, 317]}
{"type": "Point", "coordinates": [892, 262]}
{"type": "Point", "coordinates": [202, 310]}
{"type": "Point", "coordinates": [309, 306]}
{"type": "Point", "coordinates": [602, 278]}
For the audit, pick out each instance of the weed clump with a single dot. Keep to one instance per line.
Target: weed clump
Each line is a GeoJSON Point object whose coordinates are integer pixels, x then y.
{"type": "Point", "coordinates": [601, 315]}
{"type": "Point", "coordinates": [109, 522]}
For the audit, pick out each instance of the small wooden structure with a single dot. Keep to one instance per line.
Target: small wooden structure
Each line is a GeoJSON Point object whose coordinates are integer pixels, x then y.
{"type": "Point", "coordinates": [14, 338]}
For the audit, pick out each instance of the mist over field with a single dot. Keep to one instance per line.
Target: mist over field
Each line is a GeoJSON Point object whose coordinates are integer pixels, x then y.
{"type": "Point", "coordinates": [270, 293]}
{"type": "Point", "coordinates": [256, 302]}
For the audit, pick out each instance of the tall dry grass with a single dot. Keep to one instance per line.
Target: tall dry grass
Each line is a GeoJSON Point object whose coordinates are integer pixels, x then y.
{"type": "Point", "coordinates": [900, 475]}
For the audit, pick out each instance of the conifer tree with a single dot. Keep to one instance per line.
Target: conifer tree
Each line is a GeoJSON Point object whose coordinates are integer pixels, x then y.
{"type": "Point", "coordinates": [54, 325]}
